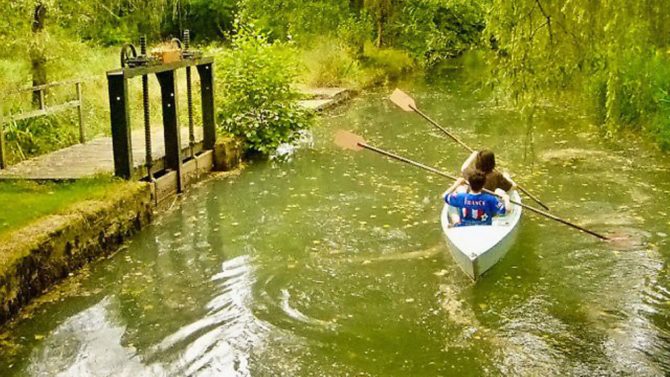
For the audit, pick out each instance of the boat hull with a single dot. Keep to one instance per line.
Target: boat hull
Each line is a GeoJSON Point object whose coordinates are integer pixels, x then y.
{"type": "Point", "coordinates": [476, 249]}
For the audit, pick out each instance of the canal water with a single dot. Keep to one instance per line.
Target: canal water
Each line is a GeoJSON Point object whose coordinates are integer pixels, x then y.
{"type": "Point", "coordinates": [333, 263]}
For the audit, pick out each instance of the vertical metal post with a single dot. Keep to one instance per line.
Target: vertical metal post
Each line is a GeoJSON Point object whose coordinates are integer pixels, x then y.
{"type": "Point", "coordinates": [147, 115]}
{"type": "Point", "coordinates": [207, 94]}
{"type": "Point", "coordinates": [3, 163]}
{"type": "Point", "coordinates": [120, 118]}
{"type": "Point", "coordinates": [189, 97]}
{"type": "Point", "coordinates": [80, 108]}
{"type": "Point", "coordinates": [171, 129]}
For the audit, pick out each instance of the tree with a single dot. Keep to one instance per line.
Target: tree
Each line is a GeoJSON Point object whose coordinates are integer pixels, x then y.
{"type": "Point", "coordinates": [382, 11]}
{"type": "Point", "coordinates": [38, 57]}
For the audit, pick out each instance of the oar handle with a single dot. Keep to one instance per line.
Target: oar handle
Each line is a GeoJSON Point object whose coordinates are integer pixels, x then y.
{"type": "Point", "coordinates": [443, 174]}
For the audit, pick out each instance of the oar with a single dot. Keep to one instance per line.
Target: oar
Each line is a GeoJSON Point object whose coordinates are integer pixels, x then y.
{"type": "Point", "coordinates": [350, 141]}
{"type": "Point", "coordinates": [405, 102]}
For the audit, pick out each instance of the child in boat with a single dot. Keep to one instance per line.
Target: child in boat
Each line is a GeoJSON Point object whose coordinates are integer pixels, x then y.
{"type": "Point", "coordinates": [476, 207]}
{"type": "Point", "coordinates": [485, 161]}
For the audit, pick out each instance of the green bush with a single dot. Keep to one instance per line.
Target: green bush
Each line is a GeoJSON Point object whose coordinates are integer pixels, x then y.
{"type": "Point", "coordinates": [259, 104]}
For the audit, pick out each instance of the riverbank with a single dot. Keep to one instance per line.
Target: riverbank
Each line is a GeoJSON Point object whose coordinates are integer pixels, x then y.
{"type": "Point", "coordinates": [34, 257]}
{"type": "Point", "coordinates": [50, 230]}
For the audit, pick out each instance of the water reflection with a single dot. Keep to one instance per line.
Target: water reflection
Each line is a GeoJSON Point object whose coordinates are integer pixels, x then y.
{"type": "Point", "coordinates": [93, 342]}
{"type": "Point", "coordinates": [89, 344]}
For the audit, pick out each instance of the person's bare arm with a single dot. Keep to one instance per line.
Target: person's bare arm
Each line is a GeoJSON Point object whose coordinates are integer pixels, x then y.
{"type": "Point", "coordinates": [503, 195]}
{"type": "Point", "coordinates": [469, 161]}
{"type": "Point", "coordinates": [510, 180]}
{"type": "Point", "coordinates": [453, 187]}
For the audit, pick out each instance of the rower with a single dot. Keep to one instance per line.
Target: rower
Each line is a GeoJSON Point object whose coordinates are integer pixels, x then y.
{"type": "Point", "coordinates": [485, 161]}
{"type": "Point", "coordinates": [476, 207]}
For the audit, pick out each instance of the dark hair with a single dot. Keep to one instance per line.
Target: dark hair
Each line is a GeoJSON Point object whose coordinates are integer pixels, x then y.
{"type": "Point", "coordinates": [477, 180]}
{"type": "Point", "coordinates": [486, 161]}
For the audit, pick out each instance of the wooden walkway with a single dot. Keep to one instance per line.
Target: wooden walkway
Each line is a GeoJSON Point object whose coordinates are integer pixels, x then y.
{"type": "Point", "coordinates": [93, 158]}
{"type": "Point", "coordinates": [96, 157]}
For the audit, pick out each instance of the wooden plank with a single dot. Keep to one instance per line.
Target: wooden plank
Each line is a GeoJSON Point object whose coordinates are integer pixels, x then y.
{"type": "Point", "coordinates": [95, 157]}
{"type": "Point", "coordinates": [141, 71]}
{"type": "Point", "coordinates": [44, 112]}
{"type": "Point", "coordinates": [166, 186]}
{"type": "Point", "coordinates": [120, 118]}
{"type": "Point", "coordinates": [206, 72]}
{"type": "Point", "coordinates": [80, 113]}
{"type": "Point", "coordinates": [3, 162]}
{"type": "Point", "coordinates": [42, 103]}
{"type": "Point", "coordinates": [51, 85]}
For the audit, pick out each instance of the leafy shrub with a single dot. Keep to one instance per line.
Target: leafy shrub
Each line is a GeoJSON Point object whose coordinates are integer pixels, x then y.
{"type": "Point", "coordinates": [259, 105]}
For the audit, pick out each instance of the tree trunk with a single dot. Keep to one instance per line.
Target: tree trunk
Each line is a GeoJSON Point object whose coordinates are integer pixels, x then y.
{"type": "Point", "coordinates": [355, 6]}
{"type": "Point", "coordinates": [38, 57]}
{"type": "Point", "coordinates": [380, 31]}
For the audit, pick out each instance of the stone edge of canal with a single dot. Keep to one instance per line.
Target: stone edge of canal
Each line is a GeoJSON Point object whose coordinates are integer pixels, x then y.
{"type": "Point", "coordinates": [40, 255]}
{"type": "Point", "coordinates": [44, 253]}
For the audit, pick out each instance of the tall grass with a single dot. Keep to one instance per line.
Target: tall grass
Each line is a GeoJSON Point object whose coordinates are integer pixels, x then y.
{"type": "Point", "coordinates": [327, 62]}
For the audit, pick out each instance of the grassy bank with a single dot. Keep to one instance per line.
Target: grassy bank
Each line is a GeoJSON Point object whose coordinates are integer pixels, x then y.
{"type": "Point", "coordinates": [25, 202]}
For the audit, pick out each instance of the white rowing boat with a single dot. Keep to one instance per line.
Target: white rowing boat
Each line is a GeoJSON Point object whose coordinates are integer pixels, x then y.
{"type": "Point", "coordinates": [477, 248]}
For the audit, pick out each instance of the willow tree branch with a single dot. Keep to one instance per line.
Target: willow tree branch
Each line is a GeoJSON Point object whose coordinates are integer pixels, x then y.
{"type": "Point", "coordinates": [548, 17]}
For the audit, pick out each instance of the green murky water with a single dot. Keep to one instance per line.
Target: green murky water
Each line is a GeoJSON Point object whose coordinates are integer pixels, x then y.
{"type": "Point", "coordinates": [333, 264]}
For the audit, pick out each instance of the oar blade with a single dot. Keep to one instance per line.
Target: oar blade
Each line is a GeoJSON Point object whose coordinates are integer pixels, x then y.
{"type": "Point", "coordinates": [402, 100]}
{"type": "Point", "coordinates": [349, 141]}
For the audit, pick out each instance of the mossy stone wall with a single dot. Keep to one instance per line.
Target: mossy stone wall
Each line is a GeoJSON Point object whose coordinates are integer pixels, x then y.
{"type": "Point", "coordinates": [34, 258]}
